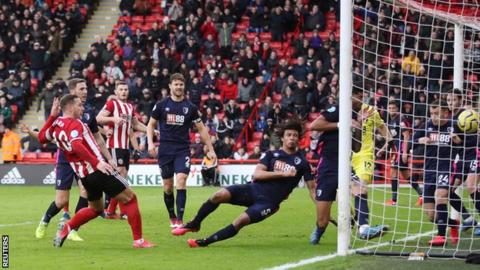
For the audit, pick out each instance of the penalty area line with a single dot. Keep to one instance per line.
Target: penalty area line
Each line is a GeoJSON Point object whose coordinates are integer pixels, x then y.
{"type": "Point", "coordinates": [351, 251]}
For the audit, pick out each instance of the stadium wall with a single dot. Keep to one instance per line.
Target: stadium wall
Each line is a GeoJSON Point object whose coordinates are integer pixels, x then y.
{"type": "Point", "coordinates": [138, 175]}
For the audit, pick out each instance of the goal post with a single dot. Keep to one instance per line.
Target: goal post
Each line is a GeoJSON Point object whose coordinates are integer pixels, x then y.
{"type": "Point", "coordinates": [407, 53]}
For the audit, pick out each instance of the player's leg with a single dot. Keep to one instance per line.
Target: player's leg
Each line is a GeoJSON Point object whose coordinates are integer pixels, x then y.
{"type": "Point", "coordinates": [254, 214]}
{"type": "Point", "coordinates": [122, 161]}
{"type": "Point", "coordinates": [325, 195]}
{"type": "Point", "coordinates": [64, 178]}
{"type": "Point", "coordinates": [223, 195]}
{"type": "Point", "coordinates": [182, 169]}
{"type": "Point", "coordinates": [394, 184]}
{"type": "Point", "coordinates": [167, 171]}
{"type": "Point", "coordinates": [472, 184]}
{"type": "Point", "coordinates": [441, 215]}
{"type": "Point", "coordinates": [117, 187]}
{"type": "Point", "coordinates": [405, 174]}
{"type": "Point", "coordinates": [92, 185]}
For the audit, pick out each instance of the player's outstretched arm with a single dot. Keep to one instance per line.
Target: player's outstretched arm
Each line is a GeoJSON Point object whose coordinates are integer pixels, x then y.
{"type": "Point", "coordinates": [138, 126]}
{"type": "Point", "coordinates": [262, 174]}
{"type": "Point", "coordinates": [151, 126]}
{"type": "Point", "coordinates": [24, 128]}
{"type": "Point", "coordinates": [322, 124]}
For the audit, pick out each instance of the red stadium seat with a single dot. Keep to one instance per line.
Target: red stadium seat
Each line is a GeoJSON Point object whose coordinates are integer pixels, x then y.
{"type": "Point", "coordinates": [241, 28]}
{"type": "Point", "coordinates": [251, 145]}
{"type": "Point", "coordinates": [265, 37]}
{"type": "Point", "coordinates": [29, 156]}
{"type": "Point", "coordinates": [44, 155]}
{"type": "Point", "coordinates": [137, 20]}
{"type": "Point", "coordinates": [257, 136]}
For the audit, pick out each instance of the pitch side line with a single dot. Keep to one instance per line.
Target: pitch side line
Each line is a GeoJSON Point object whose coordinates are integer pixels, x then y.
{"type": "Point", "coordinates": [352, 251]}
{"type": "Point", "coordinates": [16, 224]}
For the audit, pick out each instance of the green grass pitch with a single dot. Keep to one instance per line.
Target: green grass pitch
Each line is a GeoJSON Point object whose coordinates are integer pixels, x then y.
{"type": "Point", "coordinates": [283, 238]}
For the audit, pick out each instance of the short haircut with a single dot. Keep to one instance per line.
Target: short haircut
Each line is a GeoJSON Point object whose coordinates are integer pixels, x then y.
{"type": "Point", "coordinates": [118, 83]}
{"type": "Point", "coordinates": [177, 77]}
{"type": "Point", "coordinates": [67, 100]}
{"type": "Point", "coordinates": [356, 90]}
{"type": "Point", "coordinates": [457, 92]}
{"type": "Point", "coordinates": [394, 102]}
{"type": "Point", "coordinates": [72, 84]}
{"type": "Point", "coordinates": [291, 124]}
{"type": "Point", "coordinates": [439, 103]}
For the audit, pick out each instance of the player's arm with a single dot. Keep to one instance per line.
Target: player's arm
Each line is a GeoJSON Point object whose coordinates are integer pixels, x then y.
{"type": "Point", "coordinates": [151, 126]}
{"type": "Point", "coordinates": [202, 129]}
{"type": "Point", "coordinates": [134, 141]}
{"type": "Point", "coordinates": [311, 188]}
{"type": "Point", "coordinates": [26, 129]}
{"type": "Point", "coordinates": [385, 133]}
{"type": "Point", "coordinates": [103, 147]}
{"type": "Point", "coordinates": [356, 136]}
{"type": "Point", "coordinates": [44, 136]}
{"type": "Point", "coordinates": [322, 124]}
{"type": "Point", "coordinates": [82, 152]}
{"type": "Point", "coordinates": [405, 145]}
{"type": "Point", "coordinates": [138, 126]}
{"type": "Point", "coordinates": [262, 174]}
{"type": "Point", "coordinates": [104, 117]}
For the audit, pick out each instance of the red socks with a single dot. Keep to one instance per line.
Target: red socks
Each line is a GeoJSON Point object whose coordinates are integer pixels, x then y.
{"type": "Point", "coordinates": [134, 217]}
{"type": "Point", "coordinates": [112, 206]}
{"type": "Point", "coordinates": [82, 216]}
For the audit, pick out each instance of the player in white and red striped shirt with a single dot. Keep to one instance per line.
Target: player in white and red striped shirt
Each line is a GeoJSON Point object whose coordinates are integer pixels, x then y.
{"type": "Point", "coordinates": [117, 114]}
{"type": "Point", "coordinates": [83, 154]}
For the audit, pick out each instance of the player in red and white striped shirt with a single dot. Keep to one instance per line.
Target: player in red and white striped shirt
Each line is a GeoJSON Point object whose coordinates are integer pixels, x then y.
{"type": "Point", "coordinates": [83, 154]}
{"type": "Point", "coordinates": [117, 114]}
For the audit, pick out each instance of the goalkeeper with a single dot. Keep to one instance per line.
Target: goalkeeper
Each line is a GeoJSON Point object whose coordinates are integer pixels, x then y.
{"type": "Point", "coordinates": [362, 161]}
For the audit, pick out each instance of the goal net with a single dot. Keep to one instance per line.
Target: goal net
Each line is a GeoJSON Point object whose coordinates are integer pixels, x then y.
{"type": "Point", "coordinates": [407, 56]}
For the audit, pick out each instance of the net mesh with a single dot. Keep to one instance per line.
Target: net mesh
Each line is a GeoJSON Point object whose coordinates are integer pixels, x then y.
{"type": "Point", "coordinates": [403, 60]}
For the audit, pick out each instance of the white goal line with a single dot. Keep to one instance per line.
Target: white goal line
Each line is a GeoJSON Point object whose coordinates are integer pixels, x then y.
{"type": "Point", "coordinates": [352, 251]}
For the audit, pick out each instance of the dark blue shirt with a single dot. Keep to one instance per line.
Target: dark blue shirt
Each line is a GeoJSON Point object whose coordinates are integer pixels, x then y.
{"type": "Point", "coordinates": [439, 152]}
{"type": "Point", "coordinates": [88, 118]}
{"type": "Point", "coordinates": [278, 190]}
{"type": "Point", "coordinates": [467, 150]}
{"type": "Point", "coordinates": [328, 144]}
{"type": "Point", "coordinates": [174, 122]}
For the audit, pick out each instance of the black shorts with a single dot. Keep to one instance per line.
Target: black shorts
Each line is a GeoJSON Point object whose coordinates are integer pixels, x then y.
{"type": "Point", "coordinates": [326, 189]}
{"type": "Point", "coordinates": [97, 183]}
{"type": "Point", "coordinates": [465, 167]}
{"type": "Point", "coordinates": [259, 206]}
{"type": "Point", "coordinates": [398, 164]}
{"type": "Point", "coordinates": [121, 157]}
{"type": "Point", "coordinates": [171, 164]}
{"type": "Point", "coordinates": [433, 181]}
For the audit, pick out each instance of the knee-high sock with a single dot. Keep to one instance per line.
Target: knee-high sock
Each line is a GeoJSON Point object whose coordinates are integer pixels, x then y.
{"type": "Point", "coordinates": [456, 202]}
{"type": "Point", "coordinates": [441, 218]}
{"type": "Point", "coordinates": [181, 201]}
{"type": "Point", "coordinates": [205, 210]}
{"type": "Point", "coordinates": [394, 189]}
{"type": "Point", "coordinates": [361, 209]}
{"type": "Point", "coordinates": [169, 200]}
{"type": "Point", "coordinates": [51, 212]}
{"type": "Point", "coordinates": [83, 216]}
{"type": "Point", "coordinates": [415, 186]}
{"type": "Point", "coordinates": [112, 206]}
{"type": "Point", "coordinates": [134, 217]}
{"type": "Point", "coordinates": [222, 234]}
{"type": "Point", "coordinates": [82, 202]}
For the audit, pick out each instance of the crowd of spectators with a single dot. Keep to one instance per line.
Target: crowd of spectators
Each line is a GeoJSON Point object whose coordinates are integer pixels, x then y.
{"type": "Point", "coordinates": [220, 48]}
{"type": "Point", "coordinates": [34, 37]}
